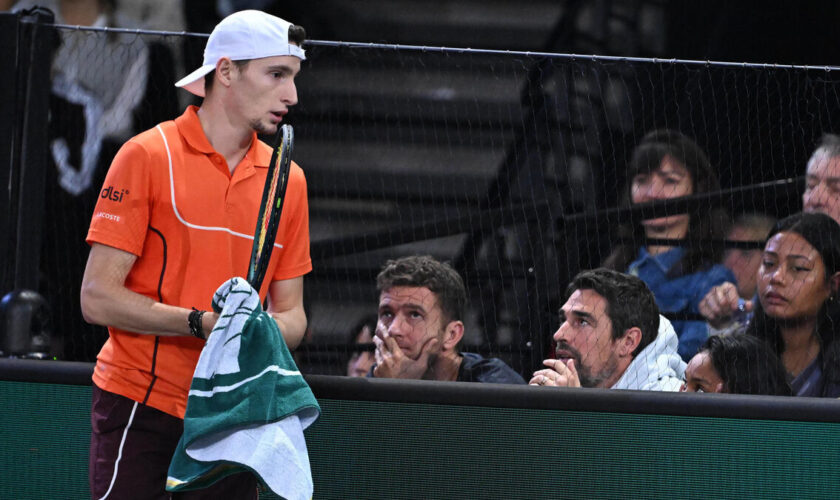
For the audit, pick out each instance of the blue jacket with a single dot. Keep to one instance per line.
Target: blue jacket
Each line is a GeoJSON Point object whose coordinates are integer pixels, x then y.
{"type": "Point", "coordinates": [475, 368]}
{"type": "Point", "coordinates": [680, 294]}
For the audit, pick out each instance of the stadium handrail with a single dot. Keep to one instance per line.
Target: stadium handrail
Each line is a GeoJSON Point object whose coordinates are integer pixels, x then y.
{"type": "Point", "coordinates": [499, 395]}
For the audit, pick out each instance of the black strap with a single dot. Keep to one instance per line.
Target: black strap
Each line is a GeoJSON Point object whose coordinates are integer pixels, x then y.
{"type": "Point", "coordinates": [194, 321]}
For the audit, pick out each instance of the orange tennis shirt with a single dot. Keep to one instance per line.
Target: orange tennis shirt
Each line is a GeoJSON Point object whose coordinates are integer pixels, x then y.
{"type": "Point", "coordinates": [169, 199]}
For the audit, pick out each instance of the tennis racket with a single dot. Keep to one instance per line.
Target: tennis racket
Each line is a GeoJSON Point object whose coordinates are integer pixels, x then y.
{"type": "Point", "coordinates": [271, 205]}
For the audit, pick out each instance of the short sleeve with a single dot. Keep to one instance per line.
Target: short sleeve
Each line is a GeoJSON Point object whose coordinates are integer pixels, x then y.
{"type": "Point", "coordinates": [121, 216]}
{"type": "Point", "coordinates": [294, 235]}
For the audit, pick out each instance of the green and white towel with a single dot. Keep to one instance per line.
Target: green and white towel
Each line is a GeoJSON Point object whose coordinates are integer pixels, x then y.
{"type": "Point", "coordinates": [248, 404]}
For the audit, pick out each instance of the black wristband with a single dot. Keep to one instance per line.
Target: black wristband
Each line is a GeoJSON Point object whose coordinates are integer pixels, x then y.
{"type": "Point", "coordinates": [194, 321]}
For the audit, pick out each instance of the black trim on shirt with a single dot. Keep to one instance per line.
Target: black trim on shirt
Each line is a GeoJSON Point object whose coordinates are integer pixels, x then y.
{"type": "Point", "coordinates": [154, 377]}
{"type": "Point", "coordinates": [163, 269]}
{"type": "Point", "coordinates": [160, 299]}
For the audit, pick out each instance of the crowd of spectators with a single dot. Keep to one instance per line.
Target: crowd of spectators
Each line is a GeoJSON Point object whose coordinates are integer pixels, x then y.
{"type": "Point", "coordinates": [771, 313]}
{"type": "Point", "coordinates": [676, 264]}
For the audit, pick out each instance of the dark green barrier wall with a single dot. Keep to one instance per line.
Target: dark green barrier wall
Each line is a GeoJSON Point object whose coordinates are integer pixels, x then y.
{"type": "Point", "coordinates": [384, 450]}
{"type": "Point", "coordinates": [45, 433]}
{"type": "Point", "coordinates": [370, 449]}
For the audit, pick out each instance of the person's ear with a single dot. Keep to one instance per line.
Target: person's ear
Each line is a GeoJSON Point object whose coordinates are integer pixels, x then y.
{"type": "Point", "coordinates": [452, 334]}
{"type": "Point", "coordinates": [224, 71]}
{"type": "Point", "coordinates": [834, 282]}
{"type": "Point", "coordinates": [629, 341]}
{"type": "Point", "coordinates": [720, 387]}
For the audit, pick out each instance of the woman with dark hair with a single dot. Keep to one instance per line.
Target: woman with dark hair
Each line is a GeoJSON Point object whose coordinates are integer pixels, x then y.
{"type": "Point", "coordinates": [667, 164]}
{"type": "Point", "coordinates": [736, 364]}
{"type": "Point", "coordinates": [797, 312]}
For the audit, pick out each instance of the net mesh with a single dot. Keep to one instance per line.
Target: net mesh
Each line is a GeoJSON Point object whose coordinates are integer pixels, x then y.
{"type": "Point", "coordinates": [510, 166]}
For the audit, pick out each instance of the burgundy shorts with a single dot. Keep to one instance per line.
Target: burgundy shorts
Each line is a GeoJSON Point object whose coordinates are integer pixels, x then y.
{"type": "Point", "coordinates": [131, 445]}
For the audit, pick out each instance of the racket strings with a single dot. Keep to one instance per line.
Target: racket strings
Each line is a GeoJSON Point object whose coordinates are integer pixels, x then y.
{"type": "Point", "coordinates": [271, 206]}
{"type": "Point", "coordinates": [265, 217]}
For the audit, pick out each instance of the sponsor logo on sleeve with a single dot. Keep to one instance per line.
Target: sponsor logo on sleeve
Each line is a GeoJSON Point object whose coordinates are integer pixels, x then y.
{"type": "Point", "coordinates": [106, 215]}
{"type": "Point", "coordinates": [113, 194]}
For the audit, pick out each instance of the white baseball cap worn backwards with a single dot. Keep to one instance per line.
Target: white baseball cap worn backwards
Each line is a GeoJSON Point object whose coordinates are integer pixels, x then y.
{"type": "Point", "coordinates": [248, 34]}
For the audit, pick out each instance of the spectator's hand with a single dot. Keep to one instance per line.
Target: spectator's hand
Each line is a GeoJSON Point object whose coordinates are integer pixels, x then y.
{"type": "Point", "coordinates": [391, 361]}
{"type": "Point", "coordinates": [559, 373]}
{"type": "Point", "coordinates": [721, 303]}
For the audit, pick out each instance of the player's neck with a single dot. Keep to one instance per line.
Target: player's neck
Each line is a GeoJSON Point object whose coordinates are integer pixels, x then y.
{"type": "Point", "coordinates": [621, 367]}
{"type": "Point", "coordinates": [230, 140]}
{"type": "Point", "coordinates": [445, 367]}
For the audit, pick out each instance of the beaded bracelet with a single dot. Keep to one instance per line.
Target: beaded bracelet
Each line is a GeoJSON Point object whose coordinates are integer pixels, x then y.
{"type": "Point", "coordinates": [194, 321]}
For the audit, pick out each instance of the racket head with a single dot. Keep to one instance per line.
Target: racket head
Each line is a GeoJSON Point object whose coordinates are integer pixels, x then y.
{"type": "Point", "coordinates": [271, 205]}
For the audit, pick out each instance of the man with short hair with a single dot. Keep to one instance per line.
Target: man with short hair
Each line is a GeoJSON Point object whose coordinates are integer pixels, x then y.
{"type": "Point", "coordinates": [822, 178]}
{"type": "Point", "coordinates": [421, 303]}
{"type": "Point", "coordinates": [611, 336]}
{"type": "Point", "coordinates": [181, 206]}
{"type": "Point", "coordinates": [822, 194]}
{"type": "Point", "coordinates": [744, 262]}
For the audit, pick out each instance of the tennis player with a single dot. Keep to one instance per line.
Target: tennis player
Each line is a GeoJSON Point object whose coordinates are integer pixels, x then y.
{"type": "Point", "coordinates": [174, 220]}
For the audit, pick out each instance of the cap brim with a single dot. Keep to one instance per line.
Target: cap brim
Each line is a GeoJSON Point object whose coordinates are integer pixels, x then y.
{"type": "Point", "coordinates": [194, 82]}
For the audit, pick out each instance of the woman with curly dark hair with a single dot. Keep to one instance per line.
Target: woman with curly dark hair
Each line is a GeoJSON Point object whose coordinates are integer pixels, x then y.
{"type": "Point", "coordinates": [667, 164]}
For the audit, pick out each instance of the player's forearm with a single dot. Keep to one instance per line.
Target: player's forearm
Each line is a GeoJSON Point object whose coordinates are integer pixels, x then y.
{"type": "Point", "coordinates": [292, 324]}
{"type": "Point", "coordinates": [121, 308]}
